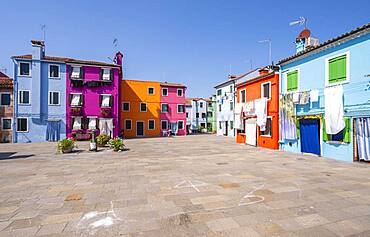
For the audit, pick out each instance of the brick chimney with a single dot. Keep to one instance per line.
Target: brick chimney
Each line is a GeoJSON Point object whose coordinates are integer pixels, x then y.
{"type": "Point", "coordinates": [263, 71]}
{"type": "Point", "coordinates": [118, 58]}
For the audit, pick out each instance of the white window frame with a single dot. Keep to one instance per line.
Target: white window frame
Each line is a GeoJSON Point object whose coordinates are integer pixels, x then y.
{"type": "Point", "coordinates": [146, 107]}
{"type": "Point", "coordinates": [178, 109]}
{"type": "Point", "coordinates": [26, 123]}
{"type": "Point", "coordinates": [125, 124]}
{"type": "Point", "coordinates": [218, 91]}
{"type": "Point", "coordinates": [268, 117]}
{"type": "Point", "coordinates": [10, 94]}
{"type": "Point", "coordinates": [58, 98]}
{"type": "Point", "coordinates": [19, 69]}
{"type": "Point", "coordinates": [11, 124]}
{"type": "Point", "coordinates": [110, 102]}
{"type": "Point", "coordinates": [110, 72]}
{"type": "Point", "coordinates": [286, 80]}
{"type": "Point", "coordinates": [327, 84]}
{"type": "Point", "coordinates": [129, 106]}
{"type": "Point", "coordinates": [183, 124]}
{"type": "Point", "coordinates": [166, 124]}
{"type": "Point", "coordinates": [182, 92]}
{"type": "Point", "coordinates": [19, 97]}
{"type": "Point", "coordinates": [140, 121]}
{"type": "Point", "coordinates": [167, 108]}
{"type": "Point", "coordinates": [150, 87]}
{"type": "Point", "coordinates": [58, 71]}
{"type": "Point", "coordinates": [70, 102]}
{"type": "Point", "coordinates": [163, 90]}
{"type": "Point", "coordinates": [262, 91]}
{"type": "Point", "coordinates": [245, 96]}
{"type": "Point", "coordinates": [149, 126]}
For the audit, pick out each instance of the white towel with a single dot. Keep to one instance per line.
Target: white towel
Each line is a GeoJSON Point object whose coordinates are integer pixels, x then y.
{"type": "Point", "coordinates": [314, 95]}
{"type": "Point", "coordinates": [261, 112]}
{"type": "Point", "coordinates": [295, 97]}
{"type": "Point", "coordinates": [334, 121]}
{"type": "Point", "coordinates": [77, 123]}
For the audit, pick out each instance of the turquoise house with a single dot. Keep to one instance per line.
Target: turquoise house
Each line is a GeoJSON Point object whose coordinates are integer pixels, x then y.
{"type": "Point", "coordinates": [342, 65]}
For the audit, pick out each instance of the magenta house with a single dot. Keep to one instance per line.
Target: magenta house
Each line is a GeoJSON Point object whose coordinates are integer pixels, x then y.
{"type": "Point", "coordinates": [93, 97]}
{"type": "Point", "coordinates": [173, 112]}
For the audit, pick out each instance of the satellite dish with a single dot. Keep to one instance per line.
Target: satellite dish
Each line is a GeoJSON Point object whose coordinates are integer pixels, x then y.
{"type": "Point", "coordinates": [306, 33]}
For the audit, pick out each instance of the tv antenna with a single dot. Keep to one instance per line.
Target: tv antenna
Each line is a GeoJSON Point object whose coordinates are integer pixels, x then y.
{"type": "Point", "coordinates": [269, 41]}
{"type": "Point", "coordinates": [115, 42]}
{"type": "Point", "coordinates": [301, 21]}
{"type": "Point", "coordinates": [43, 29]}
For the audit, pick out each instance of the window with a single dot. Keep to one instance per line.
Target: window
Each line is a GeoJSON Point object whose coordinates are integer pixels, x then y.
{"type": "Point", "coordinates": [54, 71]}
{"type": "Point", "coordinates": [220, 125]}
{"type": "Point", "coordinates": [179, 92]}
{"type": "Point", "coordinates": [209, 114]}
{"type": "Point", "coordinates": [231, 124]}
{"type": "Point", "coordinates": [210, 104]}
{"type": "Point", "coordinates": [105, 100]}
{"type": "Point", "coordinates": [338, 69]}
{"type": "Point", "coordinates": [164, 92]}
{"type": "Point", "coordinates": [164, 108]}
{"type": "Point", "coordinates": [219, 92]}
{"type": "Point", "coordinates": [106, 74]}
{"type": "Point", "coordinates": [231, 89]}
{"type": "Point", "coordinates": [22, 124]}
{"type": "Point", "coordinates": [201, 104]}
{"type": "Point", "coordinates": [24, 69]}
{"type": "Point", "coordinates": [75, 99]}
{"type": "Point", "coordinates": [143, 107]}
{"type": "Point", "coordinates": [342, 136]}
{"type": "Point", "coordinates": [197, 115]}
{"type": "Point", "coordinates": [231, 106]}
{"type": "Point", "coordinates": [180, 108]}
{"type": "Point", "coordinates": [150, 91]}
{"type": "Point", "coordinates": [76, 72]}
{"type": "Point", "coordinates": [76, 123]}
{"type": "Point", "coordinates": [268, 127]}
{"type": "Point", "coordinates": [128, 124]}
{"type": "Point", "coordinates": [151, 124]}
{"type": "Point", "coordinates": [202, 125]}
{"type": "Point", "coordinates": [187, 114]}
{"type": "Point", "coordinates": [266, 90]}
{"type": "Point", "coordinates": [6, 124]}
{"type": "Point", "coordinates": [180, 125]}
{"type": "Point", "coordinates": [292, 81]}
{"type": "Point", "coordinates": [242, 98]}
{"type": "Point", "coordinates": [54, 98]}
{"type": "Point", "coordinates": [92, 123]}
{"type": "Point", "coordinates": [24, 97]}
{"type": "Point", "coordinates": [219, 107]}
{"type": "Point", "coordinates": [4, 99]}
{"type": "Point", "coordinates": [164, 124]}
{"type": "Point", "coordinates": [203, 115]}
{"type": "Point", "coordinates": [126, 106]}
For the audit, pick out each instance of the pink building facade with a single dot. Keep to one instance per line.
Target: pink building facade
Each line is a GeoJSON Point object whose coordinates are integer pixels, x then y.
{"type": "Point", "coordinates": [93, 98]}
{"type": "Point", "coordinates": [173, 112]}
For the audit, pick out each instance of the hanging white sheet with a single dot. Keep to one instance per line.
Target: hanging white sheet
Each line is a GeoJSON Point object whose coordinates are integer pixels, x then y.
{"type": "Point", "coordinates": [363, 138]}
{"type": "Point", "coordinates": [77, 124]}
{"type": "Point", "coordinates": [314, 95]}
{"type": "Point", "coordinates": [334, 121]}
{"type": "Point", "coordinates": [261, 112]}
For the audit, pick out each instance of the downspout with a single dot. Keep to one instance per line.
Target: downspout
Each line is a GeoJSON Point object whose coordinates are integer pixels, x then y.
{"type": "Point", "coordinates": [280, 90]}
{"type": "Point", "coordinates": [234, 107]}
{"type": "Point", "coordinates": [15, 102]}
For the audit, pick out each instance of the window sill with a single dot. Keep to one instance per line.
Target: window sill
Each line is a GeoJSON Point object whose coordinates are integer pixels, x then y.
{"type": "Point", "coordinates": [336, 143]}
{"type": "Point", "coordinates": [267, 136]}
{"type": "Point", "coordinates": [55, 78]}
{"type": "Point", "coordinates": [22, 131]}
{"type": "Point", "coordinates": [54, 105]}
{"type": "Point", "coordinates": [24, 76]}
{"type": "Point", "coordinates": [25, 104]}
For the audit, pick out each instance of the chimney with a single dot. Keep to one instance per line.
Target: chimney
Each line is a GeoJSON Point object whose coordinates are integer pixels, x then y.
{"type": "Point", "coordinates": [118, 58]}
{"type": "Point", "coordinates": [263, 71]}
{"type": "Point", "coordinates": [38, 49]}
{"type": "Point", "coordinates": [231, 77]}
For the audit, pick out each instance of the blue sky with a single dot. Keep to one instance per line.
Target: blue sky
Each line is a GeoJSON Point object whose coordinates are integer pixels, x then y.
{"type": "Point", "coordinates": [192, 42]}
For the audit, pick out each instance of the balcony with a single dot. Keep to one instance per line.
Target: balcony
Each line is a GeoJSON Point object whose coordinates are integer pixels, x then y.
{"type": "Point", "coordinates": [76, 111]}
{"type": "Point", "coordinates": [106, 112]}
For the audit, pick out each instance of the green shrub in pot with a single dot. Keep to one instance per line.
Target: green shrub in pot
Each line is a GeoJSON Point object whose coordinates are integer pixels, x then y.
{"type": "Point", "coordinates": [102, 140]}
{"type": "Point", "coordinates": [66, 145]}
{"type": "Point", "coordinates": [116, 144]}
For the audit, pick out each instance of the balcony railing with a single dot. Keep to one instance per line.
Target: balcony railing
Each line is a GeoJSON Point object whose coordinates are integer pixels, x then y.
{"type": "Point", "coordinates": [106, 112]}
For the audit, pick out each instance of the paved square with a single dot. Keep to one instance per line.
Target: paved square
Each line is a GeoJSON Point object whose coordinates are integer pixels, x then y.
{"type": "Point", "coordinates": [185, 186]}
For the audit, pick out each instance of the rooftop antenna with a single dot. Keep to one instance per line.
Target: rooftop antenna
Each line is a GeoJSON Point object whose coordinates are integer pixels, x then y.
{"type": "Point", "coordinates": [115, 42]}
{"type": "Point", "coordinates": [301, 21]}
{"type": "Point", "coordinates": [269, 41]}
{"type": "Point", "coordinates": [4, 70]}
{"type": "Point", "coordinates": [43, 29]}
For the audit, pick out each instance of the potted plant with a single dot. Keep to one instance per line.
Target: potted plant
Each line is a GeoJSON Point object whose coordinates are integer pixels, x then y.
{"type": "Point", "coordinates": [102, 140]}
{"type": "Point", "coordinates": [116, 144]}
{"type": "Point", "coordinates": [106, 112]}
{"type": "Point", "coordinates": [66, 145]}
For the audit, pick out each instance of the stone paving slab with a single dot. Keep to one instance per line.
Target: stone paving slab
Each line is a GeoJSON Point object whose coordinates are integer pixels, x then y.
{"type": "Point", "coordinates": [200, 185]}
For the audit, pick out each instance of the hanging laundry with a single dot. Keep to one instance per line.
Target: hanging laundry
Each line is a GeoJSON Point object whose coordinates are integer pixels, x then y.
{"type": "Point", "coordinates": [314, 96]}
{"type": "Point", "coordinates": [304, 98]}
{"type": "Point", "coordinates": [261, 112]}
{"type": "Point", "coordinates": [287, 119]}
{"type": "Point", "coordinates": [295, 97]}
{"type": "Point", "coordinates": [334, 121]}
{"type": "Point", "coordinates": [238, 124]}
{"type": "Point", "coordinates": [249, 108]}
{"type": "Point", "coordinates": [363, 138]}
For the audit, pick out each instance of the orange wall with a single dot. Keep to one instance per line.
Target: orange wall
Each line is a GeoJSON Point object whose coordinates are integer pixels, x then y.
{"type": "Point", "coordinates": [253, 91]}
{"type": "Point", "coordinates": [136, 92]}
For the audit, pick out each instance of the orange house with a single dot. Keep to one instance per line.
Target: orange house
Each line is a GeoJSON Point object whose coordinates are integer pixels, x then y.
{"type": "Point", "coordinates": [140, 108]}
{"type": "Point", "coordinates": [266, 85]}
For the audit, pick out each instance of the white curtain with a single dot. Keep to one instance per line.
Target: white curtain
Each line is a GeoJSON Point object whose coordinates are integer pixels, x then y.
{"type": "Point", "coordinates": [76, 99]}
{"type": "Point", "coordinates": [363, 138]}
{"type": "Point", "coordinates": [92, 123]}
{"type": "Point", "coordinates": [105, 101]}
{"type": "Point", "coordinates": [106, 74]}
{"type": "Point", "coordinates": [75, 72]}
{"type": "Point", "coordinates": [77, 123]}
{"type": "Point", "coordinates": [106, 126]}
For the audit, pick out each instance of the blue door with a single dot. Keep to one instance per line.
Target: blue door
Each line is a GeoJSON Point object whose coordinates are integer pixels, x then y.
{"type": "Point", "coordinates": [310, 135]}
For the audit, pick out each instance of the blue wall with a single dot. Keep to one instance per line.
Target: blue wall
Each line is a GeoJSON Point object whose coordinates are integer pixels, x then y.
{"type": "Point", "coordinates": [356, 91]}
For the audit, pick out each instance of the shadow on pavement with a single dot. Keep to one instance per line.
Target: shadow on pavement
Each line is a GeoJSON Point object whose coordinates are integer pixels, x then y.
{"type": "Point", "coordinates": [11, 155]}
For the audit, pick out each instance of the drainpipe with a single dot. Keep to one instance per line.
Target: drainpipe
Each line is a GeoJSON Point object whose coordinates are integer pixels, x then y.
{"type": "Point", "coordinates": [280, 90]}
{"type": "Point", "coordinates": [15, 102]}
{"type": "Point", "coordinates": [234, 106]}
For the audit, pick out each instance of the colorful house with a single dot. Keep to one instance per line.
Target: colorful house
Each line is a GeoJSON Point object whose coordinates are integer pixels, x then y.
{"type": "Point", "coordinates": [196, 114]}
{"type": "Point", "coordinates": [254, 95]}
{"type": "Point", "coordinates": [6, 108]}
{"type": "Point", "coordinates": [173, 112]}
{"type": "Point", "coordinates": [92, 97]}
{"type": "Point", "coordinates": [211, 114]}
{"type": "Point", "coordinates": [325, 98]}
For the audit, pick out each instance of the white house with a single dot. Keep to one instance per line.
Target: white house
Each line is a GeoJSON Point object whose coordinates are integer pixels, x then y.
{"type": "Point", "coordinates": [196, 115]}
{"type": "Point", "coordinates": [225, 102]}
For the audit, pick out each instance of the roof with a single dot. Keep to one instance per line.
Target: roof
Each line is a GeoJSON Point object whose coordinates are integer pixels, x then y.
{"type": "Point", "coordinates": [365, 29]}
{"type": "Point", "coordinates": [172, 84]}
{"type": "Point", "coordinates": [5, 81]}
{"type": "Point", "coordinates": [264, 76]}
{"type": "Point", "coordinates": [235, 78]}
{"type": "Point", "coordinates": [68, 60]}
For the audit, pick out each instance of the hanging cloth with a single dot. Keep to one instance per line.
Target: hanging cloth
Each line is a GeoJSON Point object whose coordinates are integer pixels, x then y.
{"type": "Point", "coordinates": [363, 138]}
{"type": "Point", "coordinates": [334, 120]}
{"type": "Point", "coordinates": [314, 96]}
{"type": "Point", "coordinates": [238, 115]}
{"type": "Point", "coordinates": [261, 112]}
{"type": "Point", "coordinates": [304, 98]}
{"type": "Point", "coordinates": [287, 120]}
{"type": "Point", "coordinates": [109, 123]}
{"type": "Point", "coordinates": [295, 97]}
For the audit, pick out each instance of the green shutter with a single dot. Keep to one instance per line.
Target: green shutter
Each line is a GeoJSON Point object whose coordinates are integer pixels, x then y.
{"type": "Point", "coordinates": [338, 69]}
{"type": "Point", "coordinates": [292, 81]}
{"type": "Point", "coordinates": [325, 136]}
{"type": "Point", "coordinates": [298, 128]}
{"type": "Point", "coordinates": [347, 130]}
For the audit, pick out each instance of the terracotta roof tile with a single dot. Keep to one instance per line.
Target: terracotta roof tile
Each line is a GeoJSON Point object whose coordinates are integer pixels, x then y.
{"type": "Point", "coordinates": [172, 84]}
{"type": "Point", "coordinates": [6, 82]}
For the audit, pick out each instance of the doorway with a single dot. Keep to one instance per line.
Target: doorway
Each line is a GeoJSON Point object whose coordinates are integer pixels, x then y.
{"type": "Point", "coordinates": [251, 132]}
{"type": "Point", "coordinates": [226, 128]}
{"type": "Point", "coordinates": [139, 128]}
{"type": "Point", "coordinates": [310, 135]}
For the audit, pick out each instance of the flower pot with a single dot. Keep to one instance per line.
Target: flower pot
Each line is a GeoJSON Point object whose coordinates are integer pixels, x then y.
{"type": "Point", "coordinates": [67, 150]}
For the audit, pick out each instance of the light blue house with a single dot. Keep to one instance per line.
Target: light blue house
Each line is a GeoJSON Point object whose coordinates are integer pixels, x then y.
{"type": "Point", "coordinates": [39, 96]}
{"type": "Point", "coordinates": [308, 78]}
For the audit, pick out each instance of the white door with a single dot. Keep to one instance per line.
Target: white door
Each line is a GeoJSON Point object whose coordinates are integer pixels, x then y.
{"type": "Point", "coordinates": [250, 132]}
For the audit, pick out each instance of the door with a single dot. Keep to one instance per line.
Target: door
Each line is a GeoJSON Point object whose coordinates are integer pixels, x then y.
{"type": "Point", "coordinates": [139, 128]}
{"type": "Point", "coordinates": [251, 132]}
{"type": "Point", "coordinates": [53, 131]}
{"type": "Point", "coordinates": [310, 135]}
{"type": "Point", "coordinates": [226, 128]}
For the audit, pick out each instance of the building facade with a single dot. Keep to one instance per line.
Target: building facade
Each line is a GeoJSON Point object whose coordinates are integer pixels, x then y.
{"type": "Point", "coordinates": [211, 114]}
{"type": "Point", "coordinates": [173, 112]}
{"type": "Point", "coordinates": [254, 95]}
{"type": "Point", "coordinates": [196, 112]}
{"type": "Point", "coordinates": [39, 96]}
{"type": "Point", "coordinates": [317, 83]}
{"type": "Point", "coordinates": [93, 98]}
{"type": "Point", "coordinates": [6, 108]}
